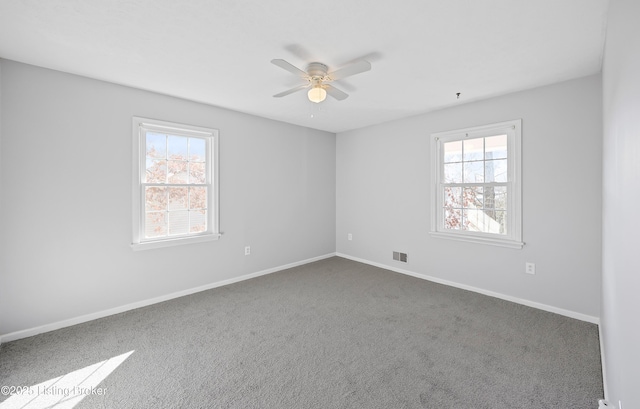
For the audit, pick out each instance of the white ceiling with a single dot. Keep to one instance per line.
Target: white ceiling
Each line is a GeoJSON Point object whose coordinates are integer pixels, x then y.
{"type": "Point", "coordinates": [218, 51]}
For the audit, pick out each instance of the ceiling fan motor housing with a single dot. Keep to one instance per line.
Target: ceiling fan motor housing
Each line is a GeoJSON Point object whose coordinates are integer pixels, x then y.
{"type": "Point", "coordinates": [317, 70]}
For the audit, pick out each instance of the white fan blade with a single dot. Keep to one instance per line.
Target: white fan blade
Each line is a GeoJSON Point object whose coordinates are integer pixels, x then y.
{"type": "Point", "coordinates": [349, 70]}
{"type": "Point", "coordinates": [292, 90]}
{"type": "Point", "coordinates": [335, 92]}
{"type": "Point", "coordinates": [289, 67]}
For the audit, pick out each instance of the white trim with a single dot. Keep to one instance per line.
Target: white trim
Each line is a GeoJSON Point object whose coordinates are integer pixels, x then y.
{"type": "Point", "coordinates": [139, 127]}
{"type": "Point", "coordinates": [513, 238]}
{"type": "Point", "coordinates": [164, 126]}
{"type": "Point", "coordinates": [117, 310]}
{"type": "Point", "coordinates": [540, 306]}
{"type": "Point", "coordinates": [473, 239]}
{"type": "Point", "coordinates": [148, 245]}
{"type": "Point", "coordinates": [603, 364]}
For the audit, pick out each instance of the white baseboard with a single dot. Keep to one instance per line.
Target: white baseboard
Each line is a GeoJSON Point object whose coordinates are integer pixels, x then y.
{"type": "Point", "coordinates": [100, 314]}
{"type": "Point", "coordinates": [544, 307]}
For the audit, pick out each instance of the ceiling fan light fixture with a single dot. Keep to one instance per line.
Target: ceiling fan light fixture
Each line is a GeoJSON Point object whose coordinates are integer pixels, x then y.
{"type": "Point", "coordinates": [319, 79]}
{"type": "Point", "coordinates": [317, 94]}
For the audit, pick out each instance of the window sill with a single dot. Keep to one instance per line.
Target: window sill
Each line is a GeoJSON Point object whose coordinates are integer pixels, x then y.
{"type": "Point", "coordinates": [513, 244]}
{"type": "Point", "coordinates": [148, 245]}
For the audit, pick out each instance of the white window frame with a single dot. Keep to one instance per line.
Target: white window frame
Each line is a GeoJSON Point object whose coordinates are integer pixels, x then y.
{"type": "Point", "coordinates": [513, 130]}
{"type": "Point", "coordinates": [140, 127]}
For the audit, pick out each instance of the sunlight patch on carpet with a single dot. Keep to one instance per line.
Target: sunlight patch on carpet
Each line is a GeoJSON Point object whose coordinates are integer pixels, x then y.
{"type": "Point", "coordinates": [66, 391]}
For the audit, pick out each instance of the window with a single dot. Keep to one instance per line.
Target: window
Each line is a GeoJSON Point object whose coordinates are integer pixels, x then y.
{"type": "Point", "coordinates": [476, 183]}
{"type": "Point", "coordinates": [175, 186]}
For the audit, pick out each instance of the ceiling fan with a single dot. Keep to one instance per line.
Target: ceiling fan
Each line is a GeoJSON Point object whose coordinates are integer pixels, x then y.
{"type": "Point", "coordinates": [318, 78]}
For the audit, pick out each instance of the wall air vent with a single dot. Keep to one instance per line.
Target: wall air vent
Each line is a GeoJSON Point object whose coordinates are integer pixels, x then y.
{"type": "Point", "coordinates": [400, 256]}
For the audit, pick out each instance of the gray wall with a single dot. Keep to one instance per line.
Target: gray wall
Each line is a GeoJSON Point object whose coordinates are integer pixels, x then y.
{"type": "Point", "coordinates": [2, 312]}
{"type": "Point", "coordinates": [66, 197]}
{"type": "Point", "coordinates": [383, 197]}
{"type": "Point", "coordinates": [621, 201]}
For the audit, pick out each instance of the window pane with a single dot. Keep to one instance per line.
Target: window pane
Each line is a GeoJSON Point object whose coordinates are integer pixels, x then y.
{"type": "Point", "coordinates": [495, 197]}
{"type": "Point", "coordinates": [489, 215]}
{"type": "Point", "coordinates": [197, 172]}
{"type": "Point", "coordinates": [452, 219]}
{"type": "Point", "coordinates": [453, 173]}
{"type": "Point", "coordinates": [156, 145]}
{"type": "Point", "coordinates": [156, 171]}
{"type": "Point", "coordinates": [177, 147]}
{"type": "Point", "coordinates": [198, 198]}
{"type": "Point", "coordinates": [453, 152]}
{"type": "Point", "coordinates": [197, 149]}
{"type": "Point", "coordinates": [489, 197]}
{"type": "Point", "coordinates": [155, 198]}
{"type": "Point", "coordinates": [177, 171]}
{"type": "Point", "coordinates": [453, 197]}
{"type": "Point", "coordinates": [495, 147]}
{"type": "Point", "coordinates": [473, 220]}
{"type": "Point", "coordinates": [473, 149]}
{"type": "Point", "coordinates": [497, 222]}
{"type": "Point", "coordinates": [178, 198]}
{"type": "Point", "coordinates": [492, 221]}
{"type": "Point", "coordinates": [496, 170]}
{"type": "Point", "coordinates": [155, 224]}
{"type": "Point", "coordinates": [178, 222]}
{"type": "Point", "coordinates": [198, 222]}
{"type": "Point", "coordinates": [473, 198]}
{"type": "Point", "coordinates": [501, 197]}
{"type": "Point", "coordinates": [473, 172]}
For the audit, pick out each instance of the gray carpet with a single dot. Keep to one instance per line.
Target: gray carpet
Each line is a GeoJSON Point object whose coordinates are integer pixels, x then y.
{"type": "Point", "coordinates": [330, 334]}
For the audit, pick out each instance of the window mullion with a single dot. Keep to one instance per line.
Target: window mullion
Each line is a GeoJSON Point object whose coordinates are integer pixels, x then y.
{"type": "Point", "coordinates": [175, 184]}
{"type": "Point", "coordinates": [475, 184]}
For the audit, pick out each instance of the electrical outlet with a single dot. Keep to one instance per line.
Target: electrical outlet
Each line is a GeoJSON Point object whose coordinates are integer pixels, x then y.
{"type": "Point", "coordinates": [530, 268]}
{"type": "Point", "coordinates": [247, 250]}
{"type": "Point", "coordinates": [349, 236]}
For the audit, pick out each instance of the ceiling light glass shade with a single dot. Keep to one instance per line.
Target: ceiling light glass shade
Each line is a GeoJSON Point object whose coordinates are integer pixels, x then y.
{"type": "Point", "coordinates": [317, 94]}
